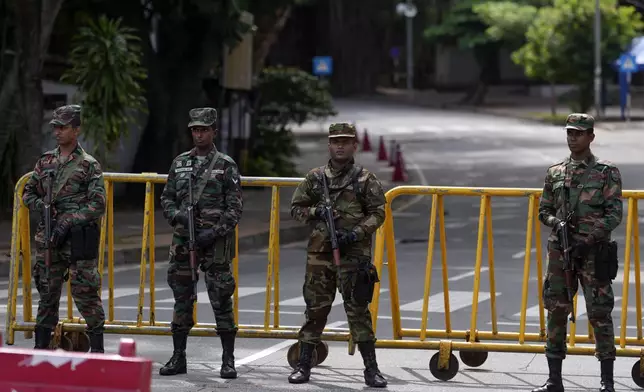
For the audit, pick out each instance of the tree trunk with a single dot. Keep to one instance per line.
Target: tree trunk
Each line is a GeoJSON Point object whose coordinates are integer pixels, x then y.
{"type": "Point", "coordinates": [356, 45]}
{"type": "Point", "coordinates": [269, 28]}
{"type": "Point", "coordinates": [36, 19]}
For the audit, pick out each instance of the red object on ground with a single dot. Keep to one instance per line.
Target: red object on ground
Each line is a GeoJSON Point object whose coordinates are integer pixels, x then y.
{"type": "Point", "coordinates": [399, 173]}
{"type": "Point", "coordinates": [366, 144]}
{"type": "Point", "coordinates": [382, 152]}
{"type": "Point", "coordinates": [27, 370]}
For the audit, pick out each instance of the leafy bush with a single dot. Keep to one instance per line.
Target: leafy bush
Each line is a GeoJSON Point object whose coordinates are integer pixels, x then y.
{"type": "Point", "coordinates": [287, 96]}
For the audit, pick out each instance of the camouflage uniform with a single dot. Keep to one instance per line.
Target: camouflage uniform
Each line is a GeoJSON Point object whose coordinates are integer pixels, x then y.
{"type": "Point", "coordinates": [359, 214]}
{"type": "Point", "coordinates": [78, 193]}
{"type": "Point", "coordinates": [598, 212]}
{"type": "Point", "coordinates": [216, 214]}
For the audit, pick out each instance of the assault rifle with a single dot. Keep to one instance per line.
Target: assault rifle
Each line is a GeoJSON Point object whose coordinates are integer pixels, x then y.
{"type": "Point", "coordinates": [568, 266]}
{"type": "Point", "coordinates": [328, 217]}
{"type": "Point", "coordinates": [48, 218]}
{"type": "Point", "coordinates": [191, 240]}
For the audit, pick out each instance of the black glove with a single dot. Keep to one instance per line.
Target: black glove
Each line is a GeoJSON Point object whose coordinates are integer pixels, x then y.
{"type": "Point", "coordinates": [59, 234]}
{"type": "Point", "coordinates": [206, 238]}
{"type": "Point", "coordinates": [346, 237]}
{"type": "Point", "coordinates": [181, 218]}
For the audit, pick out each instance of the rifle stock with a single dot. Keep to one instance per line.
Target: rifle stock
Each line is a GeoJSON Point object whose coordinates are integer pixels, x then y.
{"type": "Point", "coordinates": [328, 217]}
{"type": "Point", "coordinates": [568, 266]}
{"type": "Point", "coordinates": [191, 240]}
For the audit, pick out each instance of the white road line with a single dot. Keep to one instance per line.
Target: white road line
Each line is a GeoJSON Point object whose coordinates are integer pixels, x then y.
{"type": "Point", "coordinates": [299, 301]}
{"type": "Point", "coordinates": [423, 182]}
{"type": "Point", "coordinates": [202, 296]}
{"type": "Point", "coordinates": [516, 324]}
{"type": "Point", "coordinates": [533, 311]}
{"type": "Point", "coordinates": [457, 300]}
{"type": "Point", "coordinates": [466, 275]}
{"type": "Point", "coordinates": [521, 254]}
{"type": "Point", "coordinates": [279, 346]}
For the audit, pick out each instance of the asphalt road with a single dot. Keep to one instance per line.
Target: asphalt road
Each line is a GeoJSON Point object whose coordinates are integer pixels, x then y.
{"type": "Point", "coordinates": [446, 149]}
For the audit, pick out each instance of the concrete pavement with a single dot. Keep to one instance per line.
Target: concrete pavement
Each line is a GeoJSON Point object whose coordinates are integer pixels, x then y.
{"type": "Point", "coordinates": [448, 149]}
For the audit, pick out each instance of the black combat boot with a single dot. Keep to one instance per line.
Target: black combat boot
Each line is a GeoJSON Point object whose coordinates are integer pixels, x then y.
{"type": "Point", "coordinates": [607, 384]}
{"type": "Point", "coordinates": [372, 376]}
{"type": "Point", "coordinates": [303, 371]}
{"type": "Point", "coordinates": [228, 357]}
{"type": "Point", "coordinates": [96, 342]}
{"type": "Point", "coordinates": [177, 363]}
{"type": "Point", "coordinates": [554, 383]}
{"type": "Point", "coordinates": [42, 338]}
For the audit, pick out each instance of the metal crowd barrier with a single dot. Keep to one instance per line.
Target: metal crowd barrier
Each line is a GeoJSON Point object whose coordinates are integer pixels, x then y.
{"type": "Point", "coordinates": [476, 345]}
{"type": "Point", "coordinates": [69, 333]}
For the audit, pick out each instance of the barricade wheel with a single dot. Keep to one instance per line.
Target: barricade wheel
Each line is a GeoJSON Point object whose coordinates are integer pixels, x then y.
{"type": "Point", "coordinates": [635, 374]}
{"type": "Point", "coordinates": [322, 350]}
{"type": "Point", "coordinates": [293, 356]}
{"type": "Point", "coordinates": [80, 341]}
{"type": "Point", "coordinates": [443, 374]}
{"type": "Point", "coordinates": [473, 358]}
{"type": "Point", "coordinates": [66, 343]}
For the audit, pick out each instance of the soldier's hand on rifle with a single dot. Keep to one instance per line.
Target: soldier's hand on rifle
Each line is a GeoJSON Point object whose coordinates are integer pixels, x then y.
{"type": "Point", "coordinates": [59, 234]}
{"type": "Point", "coordinates": [346, 237]}
{"type": "Point", "coordinates": [319, 212]}
{"type": "Point", "coordinates": [182, 219]}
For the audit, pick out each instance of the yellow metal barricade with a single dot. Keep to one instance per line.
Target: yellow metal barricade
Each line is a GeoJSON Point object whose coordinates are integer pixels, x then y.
{"type": "Point", "coordinates": [21, 261]}
{"type": "Point", "coordinates": [475, 343]}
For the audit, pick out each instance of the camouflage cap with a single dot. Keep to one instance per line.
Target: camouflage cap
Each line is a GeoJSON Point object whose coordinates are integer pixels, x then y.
{"type": "Point", "coordinates": [202, 117]}
{"type": "Point", "coordinates": [342, 130]}
{"type": "Point", "coordinates": [580, 121]}
{"type": "Point", "coordinates": [65, 114]}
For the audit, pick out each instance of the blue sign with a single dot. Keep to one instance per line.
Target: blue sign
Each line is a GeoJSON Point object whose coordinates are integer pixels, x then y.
{"type": "Point", "coordinates": [394, 52]}
{"type": "Point", "coordinates": [322, 65]}
{"type": "Point", "coordinates": [627, 63]}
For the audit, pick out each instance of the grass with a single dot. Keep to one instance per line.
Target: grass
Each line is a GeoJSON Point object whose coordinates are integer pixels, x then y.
{"type": "Point", "coordinates": [557, 119]}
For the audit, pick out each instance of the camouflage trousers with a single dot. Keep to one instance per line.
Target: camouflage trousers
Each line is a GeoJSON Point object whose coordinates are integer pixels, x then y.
{"type": "Point", "coordinates": [220, 285]}
{"type": "Point", "coordinates": [321, 281]}
{"type": "Point", "coordinates": [85, 282]}
{"type": "Point", "coordinates": [599, 304]}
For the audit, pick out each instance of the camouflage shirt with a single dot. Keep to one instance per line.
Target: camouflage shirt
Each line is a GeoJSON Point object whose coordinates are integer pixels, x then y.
{"type": "Point", "coordinates": [364, 214]}
{"type": "Point", "coordinates": [81, 198]}
{"type": "Point", "coordinates": [599, 205]}
{"type": "Point", "coordinates": [220, 204]}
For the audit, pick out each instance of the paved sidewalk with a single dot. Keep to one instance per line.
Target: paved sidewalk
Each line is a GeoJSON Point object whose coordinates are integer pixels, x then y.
{"type": "Point", "coordinates": [253, 227]}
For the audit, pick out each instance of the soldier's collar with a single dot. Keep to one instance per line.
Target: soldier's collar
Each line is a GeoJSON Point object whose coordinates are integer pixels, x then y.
{"type": "Point", "coordinates": [193, 152]}
{"type": "Point", "coordinates": [590, 158]}
{"type": "Point", "coordinates": [78, 150]}
{"type": "Point", "coordinates": [342, 170]}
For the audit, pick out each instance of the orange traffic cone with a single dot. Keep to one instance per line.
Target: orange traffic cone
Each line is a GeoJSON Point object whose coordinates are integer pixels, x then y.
{"type": "Point", "coordinates": [366, 144]}
{"type": "Point", "coordinates": [392, 153]}
{"type": "Point", "coordinates": [382, 152]}
{"type": "Point", "coordinates": [400, 173]}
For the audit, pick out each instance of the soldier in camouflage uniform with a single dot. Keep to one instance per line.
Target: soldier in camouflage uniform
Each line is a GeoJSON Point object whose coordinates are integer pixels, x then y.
{"type": "Point", "coordinates": [359, 203]}
{"type": "Point", "coordinates": [78, 194]}
{"type": "Point", "coordinates": [217, 199]}
{"type": "Point", "coordinates": [592, 190]}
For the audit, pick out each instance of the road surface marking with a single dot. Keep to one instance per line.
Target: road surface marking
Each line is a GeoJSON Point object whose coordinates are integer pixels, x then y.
{"type": "Point", "coordinates": [466, 275]}
{"type": "Point", "coordinates": [457, 300]}
{"type": "Point", "coordinates": [279, 346]}
{"type": "Point", "coordinates": [521, 254]}
{"type": "Point", "coordinates": [533, 311]}
{"type": "Point", "coordinates": [299, 301]}
{"type": "Point", "coordinates": [202, 296]}
{"type": "Point", "coordinates": [516, 324]}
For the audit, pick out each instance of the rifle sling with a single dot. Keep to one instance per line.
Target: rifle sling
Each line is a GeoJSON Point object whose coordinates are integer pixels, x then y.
{"type": "Point", "coordinates": [67, 172]}
{"type": "Point", "coordinates": [582, 182]}
{"type": "Point", "coordinates": [204, 177]}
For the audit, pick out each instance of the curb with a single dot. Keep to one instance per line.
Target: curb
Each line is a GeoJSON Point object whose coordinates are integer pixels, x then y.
{"type": "Point", "coordinates": [132, 255]}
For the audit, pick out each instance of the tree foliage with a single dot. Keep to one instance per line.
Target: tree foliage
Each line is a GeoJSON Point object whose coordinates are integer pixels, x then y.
{"type": "Point", "coordinates": [559, 44]}
{"type": "Point", "coordinates": [106, 66]}
{"type": "Point", "coordinates": [507, 20]}
{"type": "Point", "coordinates": [287, 96]}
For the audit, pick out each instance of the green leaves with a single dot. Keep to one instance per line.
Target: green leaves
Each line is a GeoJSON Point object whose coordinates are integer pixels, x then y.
{"type": "Point", "coordinates": [559, 43]}
{"type": "Point", "coordinates": [106, 66]}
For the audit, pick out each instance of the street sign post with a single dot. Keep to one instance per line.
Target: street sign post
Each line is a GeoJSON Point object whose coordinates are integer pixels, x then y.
{"type": "Point", "coordinates": [627, 66]}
